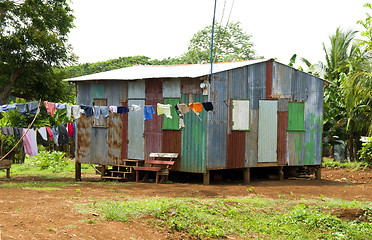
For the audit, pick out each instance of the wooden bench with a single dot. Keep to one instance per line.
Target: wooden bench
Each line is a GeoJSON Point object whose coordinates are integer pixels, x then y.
{"type": "Point", "coordinates": [159, 163]}
{"type": "Point", "coordinates": [6, 164]}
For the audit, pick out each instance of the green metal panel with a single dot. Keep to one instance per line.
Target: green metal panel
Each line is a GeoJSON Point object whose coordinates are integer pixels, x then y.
{"type": "Point", "coordinates": [296, 117]}
{"type": "Point", "coordinates": [171, 123]}
{"type": "Point", "coordinates": [194, 138]}
{"type": "Point", "coordinates": [97, 90]}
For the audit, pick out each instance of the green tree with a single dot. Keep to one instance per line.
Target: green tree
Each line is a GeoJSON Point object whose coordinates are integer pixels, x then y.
{"type": "Point", "coordinates": [33, 43]}
{"type": "Point", "coordinates": [230, 43]}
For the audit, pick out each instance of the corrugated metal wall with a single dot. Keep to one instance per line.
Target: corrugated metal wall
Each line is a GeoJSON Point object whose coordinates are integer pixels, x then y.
{"type": "Point", "coordinates": [194, 138]}
{"type": "Point", "coordinates": [267, 131]}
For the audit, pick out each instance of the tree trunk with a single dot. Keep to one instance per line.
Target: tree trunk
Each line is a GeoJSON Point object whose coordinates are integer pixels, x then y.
{"type": "Point", "coordinates": [8, 88]}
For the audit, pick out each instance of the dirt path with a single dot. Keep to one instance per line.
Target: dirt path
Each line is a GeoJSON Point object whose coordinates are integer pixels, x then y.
{"type": "Point", "coordinates": [52, 214]}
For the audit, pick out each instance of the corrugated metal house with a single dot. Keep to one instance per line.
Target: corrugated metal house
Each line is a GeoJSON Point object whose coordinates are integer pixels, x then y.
{"type": "Point", "coordinates": [266, 114]}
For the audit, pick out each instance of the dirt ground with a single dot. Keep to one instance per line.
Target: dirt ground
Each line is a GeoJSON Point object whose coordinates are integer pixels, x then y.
{"type": "Point", "coordinates": [52, 214]}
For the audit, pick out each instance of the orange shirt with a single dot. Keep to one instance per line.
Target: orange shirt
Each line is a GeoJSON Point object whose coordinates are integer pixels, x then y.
{"type": "Point", "coordinates": [196, 107]}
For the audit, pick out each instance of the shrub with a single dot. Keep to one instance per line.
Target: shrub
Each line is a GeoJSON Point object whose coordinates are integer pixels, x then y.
{"type": "Point", "coordinates": [52, 160]}
{"type": "Point", "coordinates": [366, 152]}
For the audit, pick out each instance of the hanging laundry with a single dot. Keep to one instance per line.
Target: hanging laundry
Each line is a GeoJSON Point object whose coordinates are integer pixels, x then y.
{"type": "Point", "coordinates": [70, 129]}
{"type": "Point", "coordinates": [60, 106]}
{"type": "Point", "coordinates": [68, 110]}
{"type": "Point", "coordinates": [29, 142]}
{"type": "Point", "coordinates": [43, 133]}
{"type": "Point", "coordinates": [50, 107]}
{"type": "Point", "coordinates": [1, 108]}
{"type": "Point", "coordinates": [183, 108]}
{"type": "Point", "coordinates": [96, 112]}
{"type": "Point", "coordinates": [208, 106]}
{"type": "Point", "coordinates": [62, 134]}
{"type": "Point", "coordinates": [22, 108]}
{"type": "Point", "coordinates": [49, 131]}
{"type": "Point", "coordinates": [196, 107]}
{"type": "Point", "coordinates": [104, 111]}
{"type": "Point", "coordinates": [73, 138]}
{"type": "Point", "coordinates": [147, 112]}
{"type": "Point", "coordinates": [32, 107]}
{"type": "Point", "coordinates": [7, 131]}
{"type": "Point", "coordinates": [88, 110]}
{"type": "Point", "coordinates": [113, 109]}
{"type": "Point", "coordinates": [18, 133]}
{"type": "Point", "coordinates": [55, 135]}
{"type": "Point", "coordinates": [164, 109]}
{"type": "Point", "coordinates": [135, 108]}
{"type": "Point", "coordinates": [9, 107]}
{"type": "Point", "coordinates": [76, 111]}
{"type": "Point", "coordinates": [122, 109]}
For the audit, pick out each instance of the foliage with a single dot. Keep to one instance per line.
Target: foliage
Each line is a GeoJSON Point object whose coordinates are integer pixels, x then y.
{"type": "Point", "coordinates": [352, 166]}
{"type": "Point", "coordinates": [244, 217]}
{"type": "Point", "coordinates": [366, 152]}
{"type": "Point", "coordinates": [51, 160]}
{"type": "Point", "coordinates": [33, 42]}
{"type": "Point", "coordinates": [230, 43]}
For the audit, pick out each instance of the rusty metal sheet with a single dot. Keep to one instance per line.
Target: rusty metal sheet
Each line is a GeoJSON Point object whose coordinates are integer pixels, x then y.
{"type": "Point", "coordinates": [83, 136]}
{"type": "Point", "coordinates": [171, 143]}
{"type": "Point", "coordinates": [269, 78]}
{"type": "Point", "coordinates": [153, 127]}
{"type": "Point", "coordinates": [191, 86]}
{"type": "Point", "coordinates": [114, 139]}
{"type": "Point", "coordinates": [267, 131]}
{"type": "Point", "coordinates": [98, 147]}
{"type": "Point", "coordinates": [282, 136]}
{"type": "Point", "coordinates": [235, 156]}
{"type": "Point", "coordinates": [172, 88]}
{"type": "Point", "coordinates": [136, 132]}
{"type": "Point", "coordinates": [282, 79]}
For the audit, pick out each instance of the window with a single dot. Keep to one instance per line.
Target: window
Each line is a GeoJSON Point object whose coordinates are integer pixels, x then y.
{"type": "Point", "coordinates": [240, 115]}
{"type": "Point", "coordinates": [171, 123]}
{"type": "Point", "coordinates": [102, 121]}
{"type": "Point", "coordinates": [296, 116]}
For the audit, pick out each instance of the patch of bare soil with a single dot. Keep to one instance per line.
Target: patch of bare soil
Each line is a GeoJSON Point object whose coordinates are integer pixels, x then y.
{"type": "Point", "coordinates": [52, 214]}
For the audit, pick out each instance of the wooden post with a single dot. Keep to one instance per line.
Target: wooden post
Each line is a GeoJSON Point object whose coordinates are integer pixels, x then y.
{"type": "Point", "coordinates": [281, 173]}
{"type": "Point", "coordinates": [206, 178]}
{"type": "Point", "coordinates": [247, 175]}
{"type": "Point", "coordinates": [77, 171]}
{"type": "Point", "coordinates": [318, 173]}
{"type": "Point", "coordinates": [8, 173]}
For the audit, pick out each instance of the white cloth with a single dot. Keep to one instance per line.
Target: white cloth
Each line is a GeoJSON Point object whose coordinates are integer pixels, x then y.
{"type": "Point", "coordinates": [164, 109]}
{"type": "Point", "coordinates": [114, 109]}
{"type": "Point", "coordinates": [68, 110]}
{"type": "Point", "coordinates": [43, 133]}
{"type": "Point", "coordinates": [29, 142]}
{"type": "Point", "coordinates": [76, 111]}
{"type": "Point", "coordinates": [135, 107]}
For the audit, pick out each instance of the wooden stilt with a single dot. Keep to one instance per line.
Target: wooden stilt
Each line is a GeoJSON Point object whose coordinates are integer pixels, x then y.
{"type": "Point", "coordinates": [206, 178]}
{"type": "Point", "coordinates": [281, 174]}
{"type": "Point", "coordinates": [318, 173]}
{"type": "Point", "coordinates": [77, 171]}
{"type": "Point", "coordinates": [247, 175]}
{"type": "Point", "coordinates": [8, 173]}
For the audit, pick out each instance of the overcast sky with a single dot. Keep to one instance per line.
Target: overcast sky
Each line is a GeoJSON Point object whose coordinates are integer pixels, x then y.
{"type": "Point", "coordinates": [163, 28]}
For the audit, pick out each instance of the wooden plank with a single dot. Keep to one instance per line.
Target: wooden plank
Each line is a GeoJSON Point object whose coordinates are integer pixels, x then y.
{"type": "Point", "coordinates": [4, 164]}
{"type": "Point", "coordinates": [155, 169]}
{"type": "Point", "coordinates": [164, 155]}
{"type": "Point", "coordinates": [159, 162]}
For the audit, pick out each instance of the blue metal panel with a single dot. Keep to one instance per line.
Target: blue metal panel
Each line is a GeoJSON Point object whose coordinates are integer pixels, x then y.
{"type": "Point", "coordinates": [282, 79]}
{"type": "Point", "coordinates": [97, 91]}
{"type": "Point", "coordinates": [83, 93]}
{"type": "Point", "coordinates": [217, 122]}
{"type": "Point", "coordinates": [238, 83]}
{"type": "Point", "coordinates": [172, 88]}
{"type": "Point", "coordinates": [194, 138]}
{"type": "Point", "coordinates": [256, 83]}
{"type": "Point", "coordinates": [136, 89]}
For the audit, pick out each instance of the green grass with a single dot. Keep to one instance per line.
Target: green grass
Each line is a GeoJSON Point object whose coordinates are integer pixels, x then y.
{"type": "Point", "coordinates": [352, 166]}
{"type": "Point", "coordinates": [243, 217]}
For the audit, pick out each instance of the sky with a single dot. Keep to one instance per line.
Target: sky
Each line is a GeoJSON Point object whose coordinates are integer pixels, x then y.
{"type": "Point", "coordinates": [163, 28]}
